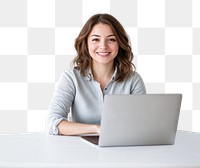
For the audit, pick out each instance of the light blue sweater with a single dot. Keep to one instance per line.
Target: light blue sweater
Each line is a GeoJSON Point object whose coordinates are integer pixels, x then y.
{"type": "Point", "coordinates": [85, 98]}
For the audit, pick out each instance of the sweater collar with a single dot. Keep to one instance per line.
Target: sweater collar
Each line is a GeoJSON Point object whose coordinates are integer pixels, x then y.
{"type": "Point", "coordinates": [89, 75]}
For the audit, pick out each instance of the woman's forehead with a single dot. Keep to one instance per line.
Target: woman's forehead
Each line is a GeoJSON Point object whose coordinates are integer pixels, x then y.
{"type": "Point", "coordinates": [101, 29]}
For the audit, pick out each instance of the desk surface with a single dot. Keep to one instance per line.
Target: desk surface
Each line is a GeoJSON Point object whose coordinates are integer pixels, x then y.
{"type": "Point", "coordinates": [41, 150]}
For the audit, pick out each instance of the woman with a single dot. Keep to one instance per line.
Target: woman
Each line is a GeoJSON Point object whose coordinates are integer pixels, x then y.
{"type": "Point", "coordinates": [103, 65]}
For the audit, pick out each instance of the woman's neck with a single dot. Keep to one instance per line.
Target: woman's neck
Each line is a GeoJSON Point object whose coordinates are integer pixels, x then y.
{"type": "Point", "coordinates": [102, 73]}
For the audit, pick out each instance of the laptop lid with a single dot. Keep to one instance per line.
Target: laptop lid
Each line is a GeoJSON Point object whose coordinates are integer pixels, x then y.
{"type": "Point", "coordinates": [149, 119]}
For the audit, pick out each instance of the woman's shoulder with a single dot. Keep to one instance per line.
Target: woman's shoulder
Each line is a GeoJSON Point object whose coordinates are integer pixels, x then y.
{"type": "Point", "coordinates": [71, 71]}
{"type": "Point", "coordinates": [137, 83]}
{"type": "Point", "coordinates": [135, 75]}
{"type": "Point", "coordinates": [74, 74]}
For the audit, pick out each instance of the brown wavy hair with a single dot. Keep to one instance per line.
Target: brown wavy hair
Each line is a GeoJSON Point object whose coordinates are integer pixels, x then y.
{"type": "Point", "coordinates": [123, 60]}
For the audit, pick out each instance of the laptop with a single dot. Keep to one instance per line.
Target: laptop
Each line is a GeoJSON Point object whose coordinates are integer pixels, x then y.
{"type": "Point", "coordinates": [132, 120]}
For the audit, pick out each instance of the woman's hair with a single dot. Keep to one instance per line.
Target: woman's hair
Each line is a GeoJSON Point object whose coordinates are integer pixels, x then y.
{"type": "Point", "coordinates": [123, 60]}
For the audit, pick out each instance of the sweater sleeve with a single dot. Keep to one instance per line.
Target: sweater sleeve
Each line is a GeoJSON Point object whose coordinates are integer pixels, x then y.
{"type": "Point", "coordinates": [61, 102]}
{"type": "Point", "coordinates": [138, 86]}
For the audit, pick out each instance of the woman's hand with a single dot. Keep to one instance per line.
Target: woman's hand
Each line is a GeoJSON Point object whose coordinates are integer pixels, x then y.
{"type": "Point", "coordinates": [73, 128]}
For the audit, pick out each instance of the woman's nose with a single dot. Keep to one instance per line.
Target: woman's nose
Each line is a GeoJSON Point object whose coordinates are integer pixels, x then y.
{"type": "Point", "coordinates": [103, 44]}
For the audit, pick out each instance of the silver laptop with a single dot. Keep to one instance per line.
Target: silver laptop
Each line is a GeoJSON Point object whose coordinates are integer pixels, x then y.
{"type": "Point", "coordinates": [128, 120]}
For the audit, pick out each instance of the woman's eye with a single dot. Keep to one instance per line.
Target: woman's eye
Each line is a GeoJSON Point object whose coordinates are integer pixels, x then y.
{"type": "Point", "coordinates": [112, 40]}
{"type": "Point", "coordinates": [95, 39]}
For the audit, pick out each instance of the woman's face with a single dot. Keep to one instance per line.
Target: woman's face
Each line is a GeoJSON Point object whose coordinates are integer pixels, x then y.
{"type": "Point", "coordinates": [102, 44]}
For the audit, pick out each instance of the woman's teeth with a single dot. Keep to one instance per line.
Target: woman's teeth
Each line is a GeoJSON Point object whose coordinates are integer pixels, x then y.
{"type": "Point", "coordinates": [102, 53]}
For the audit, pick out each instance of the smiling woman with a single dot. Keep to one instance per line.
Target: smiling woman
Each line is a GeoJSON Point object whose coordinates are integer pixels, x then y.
{"type": "Point", "coordinates": [103, 65]}
{"type": "Point", "coordinates": [103, 48]}
{"type": "Point", "coordinates": [124, 57]}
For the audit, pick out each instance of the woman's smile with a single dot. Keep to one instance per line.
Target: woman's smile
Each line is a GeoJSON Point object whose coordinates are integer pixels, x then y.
{"type": "Point", "coordinates": [103, 54]}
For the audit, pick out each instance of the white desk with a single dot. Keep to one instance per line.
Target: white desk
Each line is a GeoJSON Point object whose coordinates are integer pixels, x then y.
{"type": "Point", "coordinates": [41, 150]}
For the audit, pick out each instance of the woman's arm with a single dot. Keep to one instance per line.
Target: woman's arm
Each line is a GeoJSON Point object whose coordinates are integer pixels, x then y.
{"type": "Point", "coordinates": [138, 86]}
{"type": "Point", "coordinates": [61, 102]}
{"type": "Point", "coordinates": [58, 120]}
{"type": "Point", "coordinates": [72, 128]}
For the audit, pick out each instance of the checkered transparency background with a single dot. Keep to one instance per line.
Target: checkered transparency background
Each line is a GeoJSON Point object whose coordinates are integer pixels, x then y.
{"type": "Point", "coordinates": [37, 44]}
